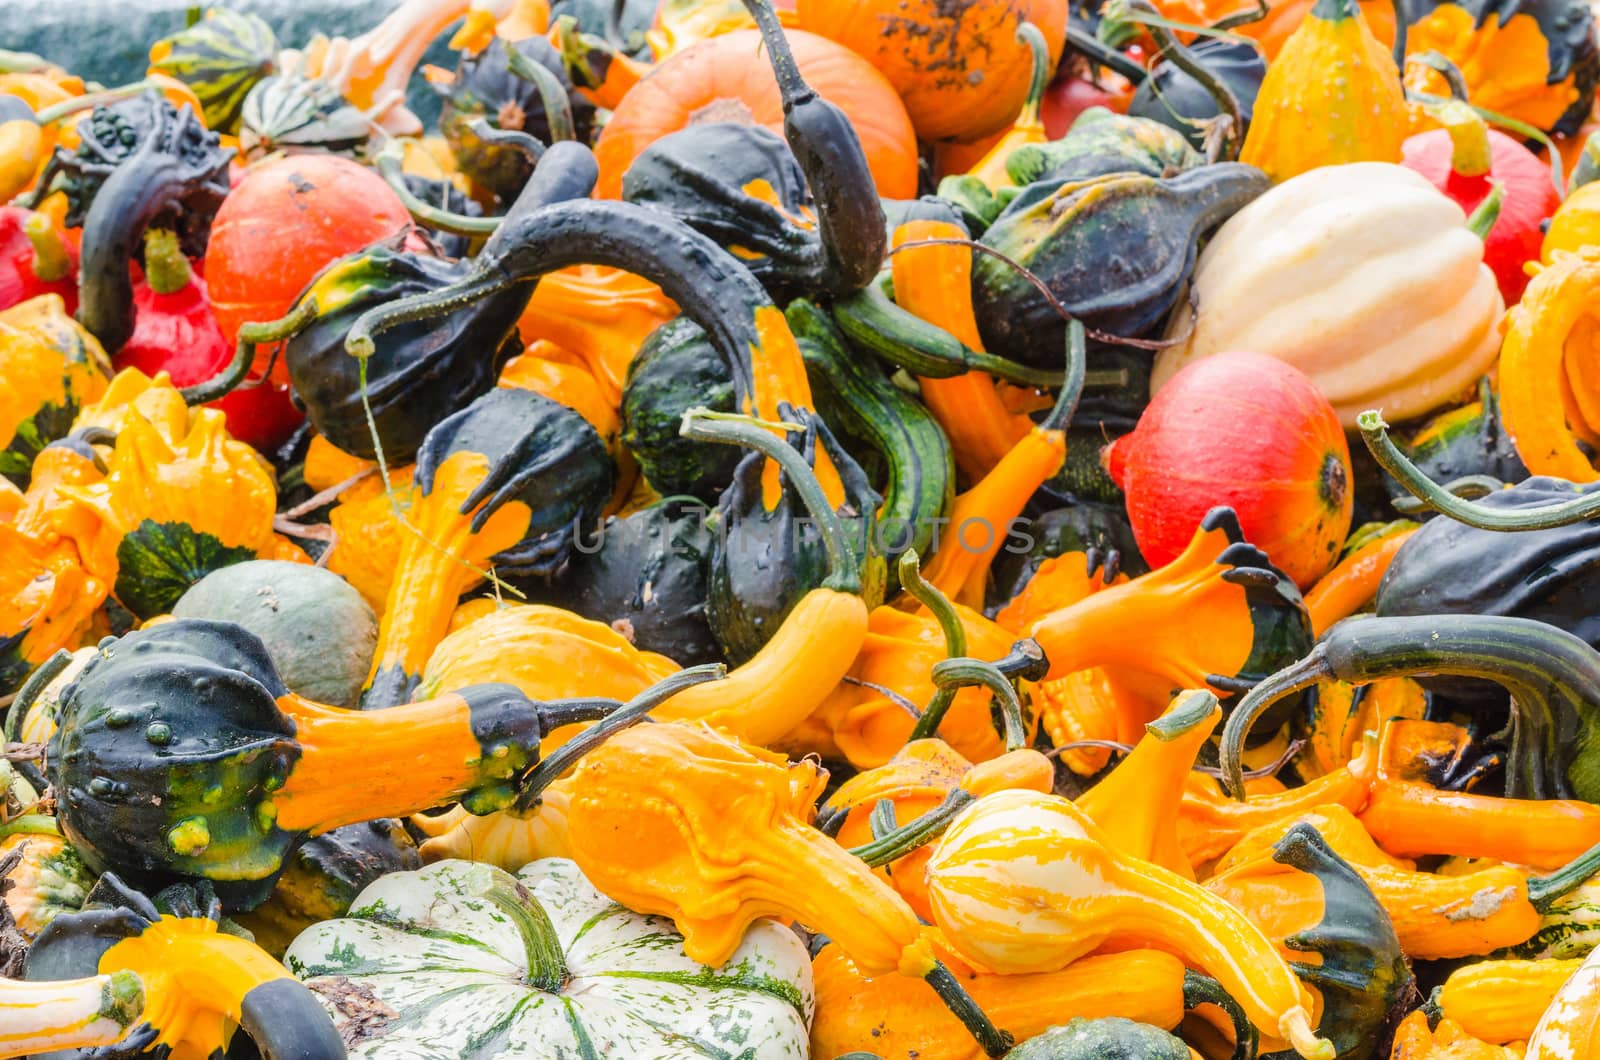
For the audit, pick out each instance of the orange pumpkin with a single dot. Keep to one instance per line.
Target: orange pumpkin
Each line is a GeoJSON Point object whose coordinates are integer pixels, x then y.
{"type": "Point", "coordinates": [729, 78]}
{"type": "Point", "coordinates": [957, 63]}
{"type": "Point", "coordinates": [1282, 18]}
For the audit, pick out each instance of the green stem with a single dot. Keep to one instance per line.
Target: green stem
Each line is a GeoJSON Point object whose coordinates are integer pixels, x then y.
{"type": "Point", "coordinates": [68, 107]}
{"type": "Point", "coordinates": [918, 833]}
{"type": "Point", "coordinates": [359, 341]}
{"type": "Point", "coordinates": [1029, 34]}
{"type": "Point", "coordinates": [1543, 891]}
{"type": "Point", "coordinates": [991, 1039]}
{"type": "Point", "coordinates": [21, 62]}
{"type": "Point", "coordinates": [390, 165]}
{"type": "Point", "coordinates": [552, 93]}
{"type": "Point", "coordinates": [532, 147]}
{"type": "Point", "coordinates": [882, 819]}
{"type": "Point", "coordinates": [1091, 47]}
{"type": "Point", "coordinates": [250, 336]}
{"type": "Point", "coordinates": [30, 824]}
{"type": "Point", "coordinates": [50, 260]}
{"type": "Point", "coordinates": [1243, 18]}
{"type": "Point", "coordinates": [1520, 128]}
{"type": "Point", "coordinates": [1192, 708]}
{"type": "Point", "coordinates": [1467, 487]}
{"type": "Point", "coordinates": [1179, 56]}
{"type": "Point", "coordinates": [704, 425]}
{"type": "Point", "coordinates": [955, 637]}
{"type": "Point", "coordinates": [961, 672]}
{"type": "Point", "coordinates": [1374, 432]}
{"type": "Point", "coordinates": [1487, 213]}
{"type": "Point", "coordinates": [541, 946]}
{"type": "Point", "coordinates": [1286, 682]}
{"type": "Point", "coordinates": [1072, 381]}
{"type": "Point", "coordinates": [166, 269]}
{"type": "Point", "coordinates": [630, 713]}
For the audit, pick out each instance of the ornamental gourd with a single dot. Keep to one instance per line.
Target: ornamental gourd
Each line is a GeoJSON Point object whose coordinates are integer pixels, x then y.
{"type": "Point", "coordinates": [1363, 276]}
{"type": "Point", "coordinates": [1331, 96]}
{"type": "Point", "coordinates": [1570, 1027]}
{"type": "Point", "coordinates": [469, 961]}
{"type": "Point", "coordinates": [51, 366]}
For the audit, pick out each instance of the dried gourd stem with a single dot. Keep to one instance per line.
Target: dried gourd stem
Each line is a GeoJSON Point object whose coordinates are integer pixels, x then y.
{"type": "Point", "coordinates": [390, 164]}
{"type": "Point", "coordinates": [1243, 18]}
{"type": "Point", "coordinates": [1044, 290]}
{"type": "Point", "coordinates": [531, 146]}
{"type": "Point", "coordinates": [1458, 90]}
{"type": "Point", "coordinates": [1268, 770]}
{"type": "Point", "coordinates": [896, 844]}
{"type": "Point", "coordinates": [250, 336]}
{"type": "Point", "coordinates": [329, 495]}
{"type": "Point", "coordinates": [1375, 433]}
{"type": "Point", "coordinates": [955, 637]}
{"type": "Point", "coordinates": [1291, 679]}
{"type": "Point", "coordinates": [1179, 56]}
{"type": "Point", "coordinates": [887, 693]}
{"type": "Point", "coordinates": [1091, 47]}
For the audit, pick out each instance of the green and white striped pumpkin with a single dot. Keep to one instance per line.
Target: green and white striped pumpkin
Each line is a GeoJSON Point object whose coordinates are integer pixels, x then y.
{"type": "Point", "coordinates": [463, 961]}
{"type": "Point", "coordinates": [221, 57]}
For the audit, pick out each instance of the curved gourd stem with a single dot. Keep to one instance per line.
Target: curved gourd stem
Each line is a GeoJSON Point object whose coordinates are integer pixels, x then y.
{"type": "Point", "coordinates": [1200, 989]}
{"type": "Point", "coordinates": [1487, 212]}
{"type": "Point", "coordinates": [359, 340]}
{"type": "Point", "coordinates": [844, 574]}
{"type": "Point", "coordinates": [1467, 487]}
{"type": "Point", "coordinates": [50, 260]}
{"type": "Point", "coordinates": [1091, 47]}
{"type": "Point", "coordinates": [250, 336]}
{"type": "Point", "coordinates": [532, 148]}
{"type": "Point", "coordinates": [389, 164]}
{"type": "Point", "coordinates": [993, 1041]}
{"type": "Point", "coordinates": [955, 637]}
{"type": "Point", "coordinates": [1374, 432]}
{"type": "Point", "coordinates": [1243, 18]}
{"type": "Point", "coordinates": [1218, 89]}
{"type": "Point", "coordinates": [1066, 405]}
{"type": "Point", "coordinates": [1285, 682]}
{"type": "Point", "coordinates": [552, 93]}
{"type": "Point", "coordinates": [1030, 35]}
{"type": "Point", "coordinates": [953, 673]}
{"type": "Point", "coordinates": [630, 713]}
{"type": "Point", "coordinates": [896, 844]}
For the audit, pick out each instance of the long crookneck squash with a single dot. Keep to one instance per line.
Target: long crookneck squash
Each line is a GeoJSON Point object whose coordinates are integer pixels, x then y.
{"type": "Point", "coordinates": [1552, 675]}
{"type": "Point", "coordinates": [1026, 882]}
{"type": "Point", "coordinates": [202, 986]}
{"type": "Point", "coordinates": [162, 783]}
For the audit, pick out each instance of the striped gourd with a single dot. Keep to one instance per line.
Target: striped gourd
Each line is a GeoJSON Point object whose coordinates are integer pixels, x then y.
{"type": "Point", "coordinates": [464, 960]}
{"type": "Point", "coordinates": [1570, 929]}
{"type": "Point", "coordinates": [1570, 1027]}
{"type": "Point", "coordinates": [221, 58]}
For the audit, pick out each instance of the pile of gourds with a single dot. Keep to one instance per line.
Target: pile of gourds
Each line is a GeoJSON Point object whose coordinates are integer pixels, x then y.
{"type": "Point", "coordinates": [832, 529]}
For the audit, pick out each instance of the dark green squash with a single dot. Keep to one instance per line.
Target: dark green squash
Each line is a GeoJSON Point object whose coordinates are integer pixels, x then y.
{"type": "Point", "coordinates": [1109, 1038]}
{"type": "Point", "coordinates": [1359, 970]}
{"type": "Point", "coordinates": [740, 185]}
{"type": "Point", "coordinates": [324, 877]}
{"type": "Point", "coordinates": [644, 574]}
{"type": "Point", "coordinates": [317, 628]}
{"type": "Point", "coordinates": [141, 163]}
{"type": "Point", "coordinates": [855, 397]}
{"type": "Point", "coordinates": [1449, 568]}
{"type": "Point", "coordinates": [296, 114]}
{"type": "Point", "coordinates": [158, 562]}
{"type": "Point", "coordinates": [277, 1017]}
{"type": "Point", "coordinates": [180, 754]}
{"type": "Point", "coordinates": [1171, 95]}
{"type": "Point", "coordinates": [221, 58]}
{"type": "Point", "coordinates": [1552, 740]}
{"type": "Point", "coordinates": [633, 19]}
{"type": "Point", "coordinates": [1116, 251]}
{"type": "Point", "coordinates": [485, 86]}
{"type": "Point", "coordinates": [763, 561]}
{"type": "Point", "coordinates": [419, 373]}
{"type": "Point", "coordinates": [1100, 531]}
{"type": "Point", "coordinates": [677, 369]}
{"type": "Point", "coordinates": [1463, 441]}
{"type": "Point", "coordinates": [1101, 142]}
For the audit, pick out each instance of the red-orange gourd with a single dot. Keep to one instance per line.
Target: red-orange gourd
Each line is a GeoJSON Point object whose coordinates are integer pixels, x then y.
{"type": "Point", "coordinates": [280, 225]}
{"type": "Point", "coordinates": [1251, 432]}
{"type": "Point", "coordinates": [957, 64]}
{"type": "Point", "coordinates": [729, 78]}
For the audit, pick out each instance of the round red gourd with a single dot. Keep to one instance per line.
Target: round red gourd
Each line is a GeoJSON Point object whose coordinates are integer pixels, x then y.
{"type": "Point", "coordinates": [176, 332]}
{"type": "Point", "coordinates": [1250, 432]}
{"type": "Point", "coordinates": [280, 225]}
{"type": "Point", "coordinates": [1529, 197]}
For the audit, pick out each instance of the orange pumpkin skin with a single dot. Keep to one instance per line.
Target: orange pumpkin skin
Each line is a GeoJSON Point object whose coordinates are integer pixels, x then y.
{"type": "Point", "coordinates": [957, 64]}
{"type": "Point", "coordinates": [1282, 18]}
{"type": "Point", "coordinates": [728, 78]}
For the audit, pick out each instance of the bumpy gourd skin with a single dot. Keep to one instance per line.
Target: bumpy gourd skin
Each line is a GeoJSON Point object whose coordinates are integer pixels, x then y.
{"type": "Point", "coordinates": [181, 754]}
{"type": "Point", "coordinates": [1024, 882]}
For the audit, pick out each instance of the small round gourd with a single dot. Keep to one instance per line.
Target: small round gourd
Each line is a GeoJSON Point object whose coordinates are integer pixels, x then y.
{"type": "Point", "coordinates": [1112, 1038]}
{"type": "Point", "coordinates": [318, 630]}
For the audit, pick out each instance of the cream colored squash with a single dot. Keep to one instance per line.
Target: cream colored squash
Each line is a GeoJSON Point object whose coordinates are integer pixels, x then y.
{"type": "Point", "coordinates": [1363, 276]}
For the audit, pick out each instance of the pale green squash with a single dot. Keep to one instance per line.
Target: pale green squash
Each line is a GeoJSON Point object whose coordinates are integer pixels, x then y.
{"type": "Point", "coordinates": [436, 964]}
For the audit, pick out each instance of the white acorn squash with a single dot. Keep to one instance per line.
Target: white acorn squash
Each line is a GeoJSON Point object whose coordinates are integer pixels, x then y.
{"type": "Point", "coordinates": [463, 961]}
{"type": "Point", "coordinates": [1363, 276]}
